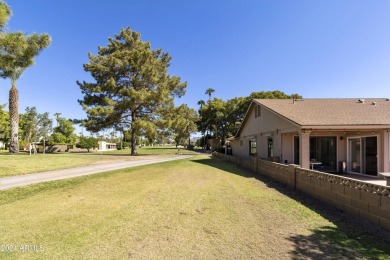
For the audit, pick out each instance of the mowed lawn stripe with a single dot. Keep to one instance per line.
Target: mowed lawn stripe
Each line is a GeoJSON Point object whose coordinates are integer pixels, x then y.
{"type": "Point", "coordinates": [193, 208]}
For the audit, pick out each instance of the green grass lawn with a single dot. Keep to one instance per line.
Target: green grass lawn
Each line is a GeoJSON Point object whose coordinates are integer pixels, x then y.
{"type": "Point", "coordinates": [23, 163]}
{"type": "Point", "coordinates": [199, 208]}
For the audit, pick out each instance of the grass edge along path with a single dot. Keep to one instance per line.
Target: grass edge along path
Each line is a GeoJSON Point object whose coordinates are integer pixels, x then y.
{"type": "Point", "coordinates": [23, 180]}
{"type": "Point", "coordinates": [22, 163]}
{"type": "Point", "coordinates": [193, 208]}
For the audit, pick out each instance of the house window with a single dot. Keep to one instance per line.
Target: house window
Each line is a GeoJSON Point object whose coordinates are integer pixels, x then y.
{"type": "Point", "coordinates": [257, 111]}
{"type": "Point", "coordinates": [252, 147]}
{"type": "Point", "coordinates": [270, 145]}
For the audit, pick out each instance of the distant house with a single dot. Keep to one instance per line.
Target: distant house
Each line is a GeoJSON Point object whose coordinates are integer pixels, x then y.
{"type": "Point", "coordinates": [105, 146]}
{"type": "Point", "coordinates": [326, 134]}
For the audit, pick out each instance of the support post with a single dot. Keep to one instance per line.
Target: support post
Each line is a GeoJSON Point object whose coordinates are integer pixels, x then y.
{"type": "Point", "coordinates": [304, 149]}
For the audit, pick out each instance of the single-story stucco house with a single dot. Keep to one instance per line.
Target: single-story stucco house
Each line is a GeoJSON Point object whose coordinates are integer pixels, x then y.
{"type": "Point", "coordinates": [331, 135]}
{"type": "Point", "coordinates": [105, 146]}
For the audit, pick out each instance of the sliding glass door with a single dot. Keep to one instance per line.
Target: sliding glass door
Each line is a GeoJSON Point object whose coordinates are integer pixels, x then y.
{"type": "Point", "coordinates": [355, 154]}
{"type": "Point", "coordinates": [370, 156]}
{"type": "Point", "coordinates": [363, 155]}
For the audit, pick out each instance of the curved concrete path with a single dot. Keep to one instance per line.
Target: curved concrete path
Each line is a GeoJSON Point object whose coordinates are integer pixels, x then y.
{"type": "Point", "coordinates": [22, 180]}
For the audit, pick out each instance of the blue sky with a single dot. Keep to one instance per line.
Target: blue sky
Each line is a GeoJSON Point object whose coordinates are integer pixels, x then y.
{"type": "Point", "coordinates": [318, 49]}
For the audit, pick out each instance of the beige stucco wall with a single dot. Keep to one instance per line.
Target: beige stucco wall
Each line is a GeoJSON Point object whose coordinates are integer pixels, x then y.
{"type": "Point", "coordinates": [261, 128]}
{"type": "Point", "coordinates": [287, 148]}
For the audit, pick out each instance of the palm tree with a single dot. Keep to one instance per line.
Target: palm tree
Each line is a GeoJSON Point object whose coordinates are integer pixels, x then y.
{"type": "Point", "coordinates": [202, 103]}
{"type": "Point", "coordinates": [209, 91]}
{"type": "Point", "coordinates": [17, 52]}
{"type": "Point", "coordinates": [14, 110]}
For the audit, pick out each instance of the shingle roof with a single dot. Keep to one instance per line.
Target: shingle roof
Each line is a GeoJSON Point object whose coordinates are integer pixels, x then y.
{"type": "Point", "coordinates": [331, 112]}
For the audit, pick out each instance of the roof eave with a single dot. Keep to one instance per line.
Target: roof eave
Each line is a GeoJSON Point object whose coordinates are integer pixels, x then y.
{"type": "Point", "coordinates": [341, 127]}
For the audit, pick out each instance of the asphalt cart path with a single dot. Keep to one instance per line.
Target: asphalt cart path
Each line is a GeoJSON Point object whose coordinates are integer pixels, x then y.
{"type": "Point", "coordinates": [22, 180]}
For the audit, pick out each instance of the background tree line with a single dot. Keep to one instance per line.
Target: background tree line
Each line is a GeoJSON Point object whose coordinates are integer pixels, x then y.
{"type": "Point", "coordinates": [37, 127]}
{"type": "Point", "coordinates": [221, 119]}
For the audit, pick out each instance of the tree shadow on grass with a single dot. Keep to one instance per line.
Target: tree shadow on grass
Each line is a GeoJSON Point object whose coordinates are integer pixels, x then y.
{"type": "Point", "coordinates": [334, 243]}
{"type": "Point", "coordinates": [352, 238]}
{"type": "Point", "coordinates": [6, 153]}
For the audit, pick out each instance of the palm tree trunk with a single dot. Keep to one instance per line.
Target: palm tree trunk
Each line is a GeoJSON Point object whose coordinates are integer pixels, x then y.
{"type": "Point", "coordinates": [14, 119]}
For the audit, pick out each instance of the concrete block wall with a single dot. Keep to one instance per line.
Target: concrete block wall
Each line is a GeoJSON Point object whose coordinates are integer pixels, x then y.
{"type": "Point", "coordinates": [368, 201]}
{"type": "Point", "coordinates": [226, 157]}
{"type": "Point", "coordinates": [277, 171]}
{"type": "Point", "coordinates": [365, 200]}
{"type": "Point", "coordinates": [247, 163]}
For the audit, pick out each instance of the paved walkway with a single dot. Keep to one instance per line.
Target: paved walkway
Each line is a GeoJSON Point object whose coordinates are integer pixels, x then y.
{"type": "Point", "coordinates": [22, 180]}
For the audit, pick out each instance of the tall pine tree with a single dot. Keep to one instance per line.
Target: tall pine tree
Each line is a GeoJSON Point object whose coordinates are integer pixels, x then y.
{"type": "Point", "coordinates": [131, 85]}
